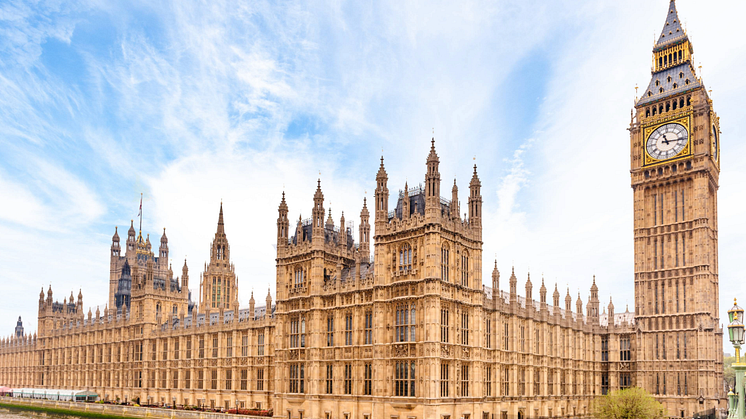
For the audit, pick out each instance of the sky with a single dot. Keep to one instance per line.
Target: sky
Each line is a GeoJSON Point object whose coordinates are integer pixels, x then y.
{"type": "Point", "coordinates": [194, 103]}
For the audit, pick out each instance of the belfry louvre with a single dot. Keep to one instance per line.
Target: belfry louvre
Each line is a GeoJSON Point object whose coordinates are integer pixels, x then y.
{"type": "Point", "coordinates": [412, 332]}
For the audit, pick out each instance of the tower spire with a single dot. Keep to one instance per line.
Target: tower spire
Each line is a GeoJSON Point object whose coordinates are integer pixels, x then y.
{"type": "Point", "coordinates": [221, 227]}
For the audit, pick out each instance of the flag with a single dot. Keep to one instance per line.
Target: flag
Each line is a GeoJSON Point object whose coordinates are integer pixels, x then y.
{"type": "Point", "coordinates": [140, 212]}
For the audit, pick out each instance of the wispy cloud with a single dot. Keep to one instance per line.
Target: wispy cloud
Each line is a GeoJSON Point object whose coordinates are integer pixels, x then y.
{"type": "Point", "coordinates": [194, 102]}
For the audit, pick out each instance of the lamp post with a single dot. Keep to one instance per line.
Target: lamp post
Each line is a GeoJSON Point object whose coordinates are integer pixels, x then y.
{"type": "Point", "coordinates": [735, 333]}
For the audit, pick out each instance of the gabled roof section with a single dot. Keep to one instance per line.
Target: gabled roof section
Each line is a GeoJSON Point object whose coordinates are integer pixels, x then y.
{"type": "Point", "coordinates": [669, 82]}
{"type": "Point", "coordinates": [672, 31]}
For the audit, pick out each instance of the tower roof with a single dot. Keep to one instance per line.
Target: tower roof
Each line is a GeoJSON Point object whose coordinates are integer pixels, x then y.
{"type": "Point", "coordinates": [672, 31]}
{"type": "Point", "coordinates": [221, 228]}
{"type": "Point", "coordinates": [433, 156]}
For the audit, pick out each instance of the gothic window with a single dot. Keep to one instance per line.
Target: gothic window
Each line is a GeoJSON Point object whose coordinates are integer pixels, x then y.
{"type": "Point", "coordinates": [488, 381]}
{"type": "Point", "coordinates": [465, 269]}
{"type": "Point", "coordinates": [444, 258]}
{"type": "Point", "coordinates": [404, 376]}
{"type": "Point", "coordinates": [604, 348]}
{"type": "Point", "coordinates": [368, 328]}
{"type": "Point", "coordinates": [330, 330]}
{"type": "Point", "coordinates": [444, 379]}
{"type": "Point", "coordinates": [259, 379]}
{"type": "Point", "coordinates": [228, 379]}
{"type": "Point", "coordinates": [444, 325]}
{"type": "Point", "coordinates": [368, 380]}
{"type": "Point", "coordinates": [297, 378]}
{"type": "Point", "coordinates": [245, 345]}
{"type": "Point", "coordinates": [299, 278]}
{"type": "Point", "coordinates": [464, 380]}
{"type": "Point", "coordinates": [523, 338]}
{"type": "Point", "coordinates": [260, 344]}
{"type": "Point", "coordinates": [298, 332]}
{"type": "Point", "coordinates": [624, 348]}
{"type": "Point", "coordinates": [536, 341]}
{"type": "Point", "coordinates": [348, 379]}
{"type": "Point", "coordinates": [464, 328]}
{"type": "Point", "coordinates": [537, 382]}
{"type": "Point", "coordinates": [405, 323]}
{"type": "Point", "coordinates": [405, 258]}
{"type": "Point", "coordinates": [329, 379]}
{"type": "Point", "coordinates": [488, 333]}
{"type": "Point", "coordinates": [506, 335]}
{"type": "Point", "coordinates": [215, 346]}
{"type": "Point", "coordinates": [625, 380]}
{"type": "Point", "coordinates": [505, 384]}
{"type": "Point", "coordinates": [348, 329]}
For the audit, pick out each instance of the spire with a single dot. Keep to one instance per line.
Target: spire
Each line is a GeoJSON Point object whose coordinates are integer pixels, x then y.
{"type": "Point", "coordinates": [115, 237]}
{"type": "Point", "coordinates": [433, 156]}
{"type": "Point", "coordinates": [221, 228]}
{"type": "Point", "coordinates": [164, 239]}
{"type": "Point", "coordinates": [672, 29]}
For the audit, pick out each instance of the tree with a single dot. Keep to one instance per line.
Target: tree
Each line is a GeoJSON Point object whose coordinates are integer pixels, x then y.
{"type": "Point", "coordinates": [631, 403]}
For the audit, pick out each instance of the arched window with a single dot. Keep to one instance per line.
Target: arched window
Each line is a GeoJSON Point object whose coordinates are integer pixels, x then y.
{"type": "Point", "coordinates": [465, 269]}
{"type": "Point", "coordinates": [299, 279]}
{"type": "Point", "coordinates": [444, 258]}
{"type": "Point", "coordinates": [406, 316]}
{"type": "Point", "coordinates": [405, 258]}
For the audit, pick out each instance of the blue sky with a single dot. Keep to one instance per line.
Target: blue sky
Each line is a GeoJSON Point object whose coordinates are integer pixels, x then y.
{"type": "Point", "coordinates": [194, 102]}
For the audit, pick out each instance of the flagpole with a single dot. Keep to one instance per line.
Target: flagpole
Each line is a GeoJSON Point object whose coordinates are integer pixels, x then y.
{"type": "Point", "coordinates": [141, 213]}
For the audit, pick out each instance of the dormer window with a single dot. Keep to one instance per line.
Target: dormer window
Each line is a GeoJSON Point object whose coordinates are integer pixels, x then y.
{"type": "Point", "coordinates": [657, 83]}
{"type": "Point", "coordinates": [681, 75]}
{"type": "Point", "coordinates": [669, 79]}
{"type": "Point", "coordinates": [660, 90]}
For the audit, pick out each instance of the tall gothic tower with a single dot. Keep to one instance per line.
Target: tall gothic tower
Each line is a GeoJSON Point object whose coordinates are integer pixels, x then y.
{"type": "Point", "coordinates": [675, 164]}
{"type": "Point", "coordinates": [219, 284]}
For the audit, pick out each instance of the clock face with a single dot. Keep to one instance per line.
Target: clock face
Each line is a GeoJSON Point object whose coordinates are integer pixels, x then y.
{"type": "Point", "coordinates": [714, 142]}
{"type": "Point", "coordinates": [667, 141]}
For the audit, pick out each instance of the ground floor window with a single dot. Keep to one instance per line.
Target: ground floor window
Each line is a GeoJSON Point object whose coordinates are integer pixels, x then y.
{"type": "Point", "coordinates": [297, 376]}
{"type": "Point", "coordinates": [404, 379]}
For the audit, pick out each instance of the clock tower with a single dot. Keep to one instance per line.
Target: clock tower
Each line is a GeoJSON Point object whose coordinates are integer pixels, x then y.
{"type": "Point", "coordinates": [675, 165]}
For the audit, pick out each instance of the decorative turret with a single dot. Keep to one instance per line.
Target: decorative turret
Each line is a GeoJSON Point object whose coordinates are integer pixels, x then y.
{"type": "Point", "coordinates": [568, 301]}
{"type": "Point", "coordinates": [364, 232]}
{"type": "Point", "coordinates": [475, 200]}
{"type": "Point", "coordinates": [579, 305]}
{"type": "Point", "coordinates": [529, 288]}
{"type": "Point", "coordinates": [185, 276]}
{"type": "Point", "coordinates": [131, 236]}
{"type": "Point", "coordinates": [555, 296]}
{"type": "Point", "coordinates": [269, 303]}
{"type": "Point", "coordinates": [41, 299]}
{"type": "Point", "coordinates": [318, 214]}
{"type": "Point", "coordinates": [49, 296]}
{"type": "Point", "coordinates": [251, 305]}
{"type": "Point", "coordinates": [329, 221]}
{"type": "Point", "coordinates": [115, 250]}
{"type": "Point", "coordinates": [513, 286]}
{"type": "Point", "coordinates": [432, 183]}
{"type": "Point", "coordinates": [342, 232]}
{"type": "Point", "coordinates": [163, 249]}
{"type": "Point", "coordinates": [454, 201]}
{"type": "Point", "coordinates": [19, 328]}
{"type": "Point", "coordinates": [611, 312]}
{"type": "Point", "coordinates": [283, 224]}
{"type": "Point", "coordinates": [543, 293]}
{"type": "Point", "coordinates": [382, 195]}
{"type": "Point", "coordinates": [495, 281]}
{"type": "Point", "coordinates": [405, 202]}
{"type": "Point", "coordinates": [593, 302]}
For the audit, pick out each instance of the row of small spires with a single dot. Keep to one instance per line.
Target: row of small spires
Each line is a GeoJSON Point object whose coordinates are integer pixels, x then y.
{"type": "Point", "coordinates": [593, 298]}
{"type": "Point", "coordinates": [131, 234]}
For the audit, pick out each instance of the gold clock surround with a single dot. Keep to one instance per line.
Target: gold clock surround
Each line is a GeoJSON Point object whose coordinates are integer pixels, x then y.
{"type": "Point", "coordinates": [648, 130]}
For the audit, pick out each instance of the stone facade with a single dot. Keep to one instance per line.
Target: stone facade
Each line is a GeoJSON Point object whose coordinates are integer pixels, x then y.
{"type": "Point", "coordinates": [411, 331]}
